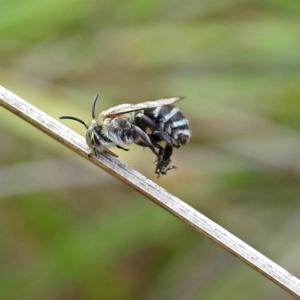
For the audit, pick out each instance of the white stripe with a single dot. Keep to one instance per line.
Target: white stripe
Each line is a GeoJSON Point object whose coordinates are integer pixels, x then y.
{"type": "Point", "coordinates": [168, 116]}
{"type": "Point", "coordinates": [156, 111]}
{"type": "Point", "coordinates": [180, 122]}
{"type": "Point", "coordinates": [185, 132]}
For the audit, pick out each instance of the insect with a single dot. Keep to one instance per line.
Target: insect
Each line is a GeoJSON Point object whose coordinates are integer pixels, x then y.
{"type": "Point", "coordinates": [167, 128]}
{"type": "Point", "coordinates": [146, 124]}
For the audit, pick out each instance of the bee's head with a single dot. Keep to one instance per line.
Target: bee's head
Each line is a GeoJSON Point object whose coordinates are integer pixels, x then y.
{"type": "Point", "coordinates": [90, 129]}
{"type": "Point", "coordinates": [90, 135]}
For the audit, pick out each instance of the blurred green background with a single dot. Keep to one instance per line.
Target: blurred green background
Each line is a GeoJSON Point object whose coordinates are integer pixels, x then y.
{"type": "Point", "coordinates": [69, 230]}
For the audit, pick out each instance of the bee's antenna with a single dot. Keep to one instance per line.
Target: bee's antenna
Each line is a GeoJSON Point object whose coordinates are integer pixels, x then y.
{"type": "Point", "coordinates": [75, 119]}
{"type": "Point", "coordinates": [94, 106]}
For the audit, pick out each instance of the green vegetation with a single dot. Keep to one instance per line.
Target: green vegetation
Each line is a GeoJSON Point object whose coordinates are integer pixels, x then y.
{"type": "Point", "coordinates": [69, 230]}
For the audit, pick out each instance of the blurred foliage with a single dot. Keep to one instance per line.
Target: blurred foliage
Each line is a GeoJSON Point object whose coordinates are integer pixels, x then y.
{"type": "Point", "coordinates": [68, 230]}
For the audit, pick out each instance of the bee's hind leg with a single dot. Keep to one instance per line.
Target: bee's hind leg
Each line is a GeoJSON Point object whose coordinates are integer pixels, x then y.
{"type": "Point", "coordinates": [163, 161]}
{"type": "Point", "coordinates": [162, 135]}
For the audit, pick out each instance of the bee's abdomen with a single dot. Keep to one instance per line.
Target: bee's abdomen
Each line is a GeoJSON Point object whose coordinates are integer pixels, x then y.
{"type": "Point", "coordinates": [172, 121]}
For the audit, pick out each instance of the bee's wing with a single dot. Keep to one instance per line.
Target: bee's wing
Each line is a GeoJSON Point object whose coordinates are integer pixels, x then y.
{"type": "Point", "coordinates": [126, 108]}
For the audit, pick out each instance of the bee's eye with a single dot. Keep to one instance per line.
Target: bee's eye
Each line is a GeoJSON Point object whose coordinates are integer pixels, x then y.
{"type": "Point", "coordinates": [89, 138]}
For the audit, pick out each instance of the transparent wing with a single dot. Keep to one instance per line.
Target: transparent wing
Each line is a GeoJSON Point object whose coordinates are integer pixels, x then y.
{"type": "Point", "coordinates": [126, 108]}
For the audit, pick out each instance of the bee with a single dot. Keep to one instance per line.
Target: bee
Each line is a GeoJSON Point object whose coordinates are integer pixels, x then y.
{"type": "Point", "coordinates": [144, 124]}
{"type": "Point", "coordinates": [167, 128]}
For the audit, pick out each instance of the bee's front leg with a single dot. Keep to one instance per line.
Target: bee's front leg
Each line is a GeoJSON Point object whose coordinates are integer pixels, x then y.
{"type": "Point", "coordinates": [119, 147]}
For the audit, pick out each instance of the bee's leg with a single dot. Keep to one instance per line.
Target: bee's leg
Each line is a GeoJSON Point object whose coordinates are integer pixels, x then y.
{"type": "Point", "coordinates": [158, 132]}
{"type": "Point", "coordinates": [93, 151]}
{"type": "Point", "coordinates": [164, 160]}
{"type": "Point", "coordinates": [105, 150]}
{"type": "Point", "coordinates": [164, 136]}
{"type": "Point", "coordinates": [119, 147]}
{"type": "Point", "coordinates": [141, 138]}
{"type": "Point", "coordinates": [143, 118]}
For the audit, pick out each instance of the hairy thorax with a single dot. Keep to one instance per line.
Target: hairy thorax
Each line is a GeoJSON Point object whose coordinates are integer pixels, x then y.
{"type": "Point", "coordinates": [118, 129]}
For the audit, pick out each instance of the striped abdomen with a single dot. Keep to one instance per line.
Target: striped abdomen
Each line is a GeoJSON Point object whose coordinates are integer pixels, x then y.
{"type": "Point", "coordinates": [171, 120]}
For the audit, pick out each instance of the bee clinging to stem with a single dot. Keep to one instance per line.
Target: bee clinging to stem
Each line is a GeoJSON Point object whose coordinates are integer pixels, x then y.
{"type": "Point", "coordinates": [146, 124]}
